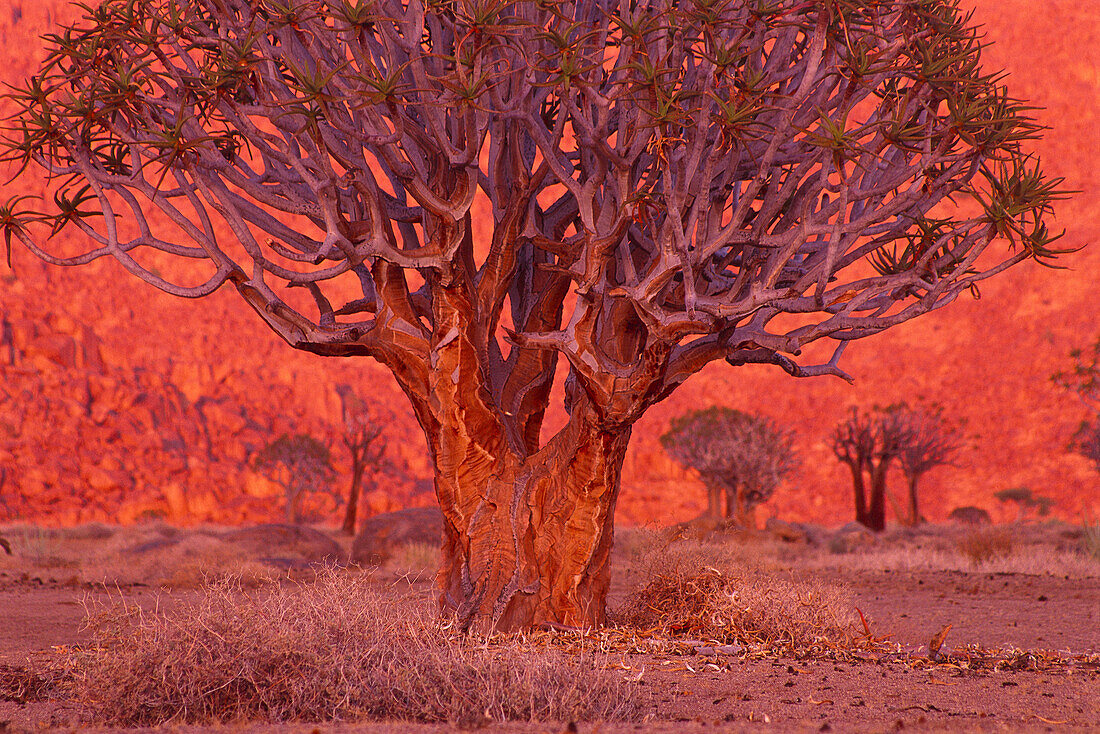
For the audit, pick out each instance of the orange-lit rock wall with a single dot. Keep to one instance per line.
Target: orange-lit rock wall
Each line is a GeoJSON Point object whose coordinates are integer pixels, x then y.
{"type": "Point", "coordinates": [118, 402]}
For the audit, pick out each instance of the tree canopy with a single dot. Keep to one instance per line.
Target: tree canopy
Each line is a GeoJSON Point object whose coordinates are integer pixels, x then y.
{"type": "Point", "coordinates": [712, 179]}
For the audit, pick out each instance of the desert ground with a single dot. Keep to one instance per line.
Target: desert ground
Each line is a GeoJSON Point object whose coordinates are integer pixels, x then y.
{"type": "Point", "coordinates": [1022, 652]}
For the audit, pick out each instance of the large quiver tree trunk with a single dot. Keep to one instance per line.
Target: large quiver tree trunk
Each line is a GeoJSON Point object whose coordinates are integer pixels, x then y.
{"type": "Point", "coordinates": [527, 530]}
{"type": "Point", "coordinates": [527, 541]}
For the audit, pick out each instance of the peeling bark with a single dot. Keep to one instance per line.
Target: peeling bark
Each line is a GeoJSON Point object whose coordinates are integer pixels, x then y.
{"type": "Point", "coordinates": [527, 535]}
{"type": "Point", "coordinates": [527, 541]}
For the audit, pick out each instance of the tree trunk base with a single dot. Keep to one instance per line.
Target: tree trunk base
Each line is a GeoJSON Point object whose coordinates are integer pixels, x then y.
{"type": "Point", "coordinates": [531, 546]}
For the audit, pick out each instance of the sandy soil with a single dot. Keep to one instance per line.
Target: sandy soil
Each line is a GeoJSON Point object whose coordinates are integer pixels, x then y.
{"type": "Point", "coordinates": [1051, 620]}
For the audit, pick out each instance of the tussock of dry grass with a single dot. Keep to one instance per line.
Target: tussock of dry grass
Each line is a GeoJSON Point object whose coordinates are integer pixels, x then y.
{"type": "Point", "coordinates": [1090, 539]}
{"type": "Point", "coordinates": [22, 685]}
{"type": "Point", "coordinates": [683, 595]}
{"type": "Point", "coordinates": [337, 649]}
{"type": "Point", "coordinates": [415, 560]}
{"type": "Point", "coordinates": [151, 553]}
{"type": "Point", "coordinates": [1023, 559]}
{"type": "Point", "coordinates": [984, 545]}
{"type": "Point", "coordinates": [639, 549]}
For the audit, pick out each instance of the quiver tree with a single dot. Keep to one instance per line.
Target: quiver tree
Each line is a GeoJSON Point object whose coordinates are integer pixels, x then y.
{"type": "Point", "coordinates": [1025, 500]}
{"type": "Point", "coordinates": [474, 192]}
{"type": "Point", "coordinates": [1084, 382]}
{"type": "Point", "coordinates": [868, 443]}
{"type": "Point", "coordinates": [298, 463]}
{"type": "Point", "coordinates": [929, 440]}
{"type": "Point", "coordinates": [741, 458]}
{"type": "Point", "coordinates": [359, 434]}
{"type": "Point", "coordinates": [1086, 441]}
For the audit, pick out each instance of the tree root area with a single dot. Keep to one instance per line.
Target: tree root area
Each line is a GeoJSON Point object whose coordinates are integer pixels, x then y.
{"type": "Point", "coordinates": [689, 692]}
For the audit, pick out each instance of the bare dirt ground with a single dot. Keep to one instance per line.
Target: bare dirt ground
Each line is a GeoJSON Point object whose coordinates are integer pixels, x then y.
{"type": "Point", "coordinates": [1022, 653]}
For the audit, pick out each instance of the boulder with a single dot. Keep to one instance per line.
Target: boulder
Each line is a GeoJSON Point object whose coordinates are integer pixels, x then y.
{"type": "Point", "coordinates": [784, 531]}
{"type": "Point", "coordinates": [149, 546]}
{"type": "Point", "coordinates": [382, 534]}
{"type": "Point", "coordinates": [281, 540]}
{"type": "Point", "coordinates": [970, 515]}
{"type": "Point", "coordinates": [90, 531]}
{"type": "Point", "coordinates": [851, 536]}
{"type": "Point", "coordinates": [704, 527]}
{"type": "Point", "coordinates": [791, 532]}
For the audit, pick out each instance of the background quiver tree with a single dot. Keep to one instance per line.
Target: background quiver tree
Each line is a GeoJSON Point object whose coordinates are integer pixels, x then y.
{"type": "Point", "coordinates": [867, 443]}
{"type": "Point", "coordinates": [741, 458]}
{"type": "Point", "coordinates": [301, 465]}
{"type": "Point", "coordinates": [1086, 441]}
{"type": "Point", "coordinates": [1025, 501]}
{"type": "Point", "coordinates": [476, 193]}
{"type": "Point", "coordinates": [359, 434]}
{"type": "Point", "coordinates": [1083, 380]}
{"type": "Point", "coordinates": [928, 439]}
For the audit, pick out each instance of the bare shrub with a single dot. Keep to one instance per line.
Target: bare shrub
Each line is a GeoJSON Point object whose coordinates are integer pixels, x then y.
{"type": "Point", "coordinates": [22, 685]}
{"type": "Point", "coordinates": [338, 649]}
{"type": "Point", "coordinates": [684, 595]}
{"type": "Point", "coordinates": [983, 546]}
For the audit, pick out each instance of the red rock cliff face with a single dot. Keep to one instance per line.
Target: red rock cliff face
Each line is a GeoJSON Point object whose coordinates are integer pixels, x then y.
{"type": "Point", "coordinates": [118, 402]}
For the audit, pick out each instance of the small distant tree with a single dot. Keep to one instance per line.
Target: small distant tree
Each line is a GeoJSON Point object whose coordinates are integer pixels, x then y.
{"type": "Point", "coordinates": [1083, 380]}
{"type": "Point", "coordinates": [928, 440]}
{"type": "Point", "coordinates": [742, 458]}
{"type": "Point", "coordinates": [868, 443]}
{"type": "Point", "coordinates": [1087, 441]}
{"type": "Point", "coordinates": [1025, 501]}
{"type": "Point", "coordinates": [300, 464]}
{"type": "Point", "coordinates": [360, 436]}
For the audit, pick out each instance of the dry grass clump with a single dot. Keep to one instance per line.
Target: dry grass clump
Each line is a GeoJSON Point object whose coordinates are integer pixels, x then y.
{"type": "Point", "coordinates": [1090, 539]}
{"type": "Point", "coordinates": [416, 560]}
{"type": "Point", "coordinates": [1032, 559]}
{"type": "Point", "coordinates": [985, 545]}
{"type": "Point", "coordinates": [22, 685]}
{"type": "Point", "coordinates": [41, 546]}
{"type": "Point", "coordinates": [150, 553]}
{"type": "Point", "coordinates": [186, 560]}
{"type": "Point", "coordinates": [641, 552]}
{"type": "Point", "coordinates": [337, 649]}
{"type": "Point", "coordinates": [682, 596]}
